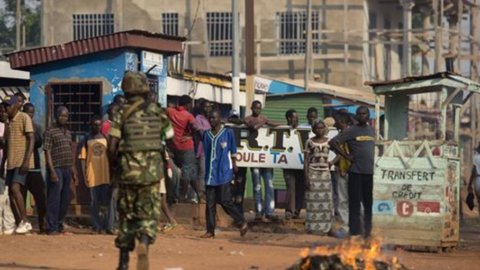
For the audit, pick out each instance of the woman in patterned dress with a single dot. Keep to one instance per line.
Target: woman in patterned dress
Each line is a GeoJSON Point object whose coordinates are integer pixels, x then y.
{"type": "Point", "coordinates": [318, 182]}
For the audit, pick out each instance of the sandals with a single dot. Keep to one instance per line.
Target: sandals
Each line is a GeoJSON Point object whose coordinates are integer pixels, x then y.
{"type": "Point", "coordinates": [208, 235]}
{"type": "Point", "coordinates": [243, 229]}
{"type": "Point", "coordinates": [168, 227]}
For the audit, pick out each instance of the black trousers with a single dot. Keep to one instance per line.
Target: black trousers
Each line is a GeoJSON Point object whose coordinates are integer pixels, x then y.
{"type": "Point", "coordinates": [360, 191]}
{"type": "Point", "coordinates": [294, 179]}
{"type": "Point", "coordinates": [238, 191]}
{"type": "Point", "coordinates": [221, 195]}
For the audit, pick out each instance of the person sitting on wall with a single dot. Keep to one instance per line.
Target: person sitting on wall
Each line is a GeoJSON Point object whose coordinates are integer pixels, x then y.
{"type": "Point", "coordinates": [263, 208]}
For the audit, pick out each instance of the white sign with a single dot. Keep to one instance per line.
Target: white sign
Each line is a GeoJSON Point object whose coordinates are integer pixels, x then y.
{"type": "Point", "coordinates": [262, 85]}
{"type": "Point", "coordinates": [280, 147]}
{"type": "Point", "coordinates": [149, 60]}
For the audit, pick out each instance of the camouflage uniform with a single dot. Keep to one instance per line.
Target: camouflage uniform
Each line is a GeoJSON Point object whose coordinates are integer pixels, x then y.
{"type": "Point", "coordinates": [141, 168]}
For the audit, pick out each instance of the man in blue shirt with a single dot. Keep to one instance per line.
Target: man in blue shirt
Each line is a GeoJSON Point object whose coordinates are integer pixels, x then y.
{"type": "Point", "coordinates": [220, 150]}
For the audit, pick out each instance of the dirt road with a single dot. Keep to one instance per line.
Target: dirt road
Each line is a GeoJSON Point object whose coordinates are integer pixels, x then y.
{"type": "Point", "coordinates": [183, 249]}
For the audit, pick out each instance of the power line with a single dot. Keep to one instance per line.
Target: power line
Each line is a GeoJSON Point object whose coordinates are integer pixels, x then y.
{"type": "Point", "coordinates": [194, 19]}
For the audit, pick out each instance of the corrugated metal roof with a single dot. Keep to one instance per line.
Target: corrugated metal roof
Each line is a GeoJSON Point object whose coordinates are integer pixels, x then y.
{"type": "Point", "coordinates": [330, 94]}
{"type": "Point", "coordinates": [133, 38]}
{"type": "Point", "coordinates": [208, 78]}
{"type": "Point", "coordinates": [339, 92]}
{"type": "Point", "coordinates": [425, 83]}
{"type": "Point", "coordinates": [438, 75]}
{"type": "Point", "coordinates": [8, 91]}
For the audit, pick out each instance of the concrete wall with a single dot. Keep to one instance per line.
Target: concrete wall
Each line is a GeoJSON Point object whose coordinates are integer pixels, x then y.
{"type": "Point", "coordinates": [387, 16]}
{"type": "Point", "coordinates": [147, 14]}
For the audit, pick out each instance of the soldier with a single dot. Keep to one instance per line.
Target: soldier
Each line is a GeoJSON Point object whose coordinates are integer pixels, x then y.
{"type": "Point", "coordinates": [137, 132]}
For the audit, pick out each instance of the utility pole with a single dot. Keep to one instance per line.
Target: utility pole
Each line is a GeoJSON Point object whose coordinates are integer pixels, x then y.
{"type": "Point", "coordinates": [235, 58]}
{"type": "Point", "coordinates": [426, 17]}
{"type": "Point", "coordinates": [18, 25]}
{"type": "Point", "coordinates": [249, 52]}
{"type": "Point", "coordinates": [308, 45]}
{"type": "Point", "coordinates": [438, 38]}
{"type": "Point", "coordinates": [458, 44]}
{"type": "Point", "coordinates": [474, 69]}
{"type": "Point", "coordinates": [475, 33]}
{"type": "Point", "coordinates": [407, 37]}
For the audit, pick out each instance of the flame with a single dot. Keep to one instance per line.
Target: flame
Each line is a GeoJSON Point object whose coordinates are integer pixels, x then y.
{"type": "Point", "coordinates": [350, 252]}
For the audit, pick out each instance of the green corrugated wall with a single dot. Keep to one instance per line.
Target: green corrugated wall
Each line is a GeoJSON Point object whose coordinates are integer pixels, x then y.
{"type": "Point", "coordinates": [276, 106]}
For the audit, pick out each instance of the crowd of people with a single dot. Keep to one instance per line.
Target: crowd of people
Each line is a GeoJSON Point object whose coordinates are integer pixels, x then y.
{"type": "Point", "coordinates": [122, 159]}
{"type": "Point", "coordinates": [21, 140]}
{"type": "Point", "coordinates": [130, 158]}
{"type": "Point", "coordinates": [342, 147]}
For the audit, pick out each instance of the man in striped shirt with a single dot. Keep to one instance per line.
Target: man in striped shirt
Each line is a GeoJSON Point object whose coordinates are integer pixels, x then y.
{"type": "Point", "coordinates": [59, 157]}
{"type": "Point", "coordinates": [19, 159]}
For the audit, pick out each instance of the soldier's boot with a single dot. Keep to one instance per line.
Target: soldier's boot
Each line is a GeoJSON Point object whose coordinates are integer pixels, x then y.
{"type": "Point", "coordinates": [123, 261]}
{"type": "Point", "coordinates": [142, 253]}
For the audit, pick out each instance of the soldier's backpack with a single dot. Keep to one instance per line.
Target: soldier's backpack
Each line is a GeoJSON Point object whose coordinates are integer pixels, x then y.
{"type": "Point", "coordinates": [142, 130]}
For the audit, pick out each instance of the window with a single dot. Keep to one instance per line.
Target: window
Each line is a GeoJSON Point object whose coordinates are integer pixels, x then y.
{"type": "Point", "coordinates": [153, 84]}
{"type": "Point", "coordinates": [92, 25]}
{"type": "Point", "coordinates": [220, 34]}
{"type": "Point", "coordinates": [170, 23]}
{"type": "Point", "coordinates": [292, 29]}
{"type": "Point", "coordinates": [83, 101]}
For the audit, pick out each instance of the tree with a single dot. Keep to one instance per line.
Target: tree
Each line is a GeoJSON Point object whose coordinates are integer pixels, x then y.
{"type": "Point", "coordinates": [30, 19]}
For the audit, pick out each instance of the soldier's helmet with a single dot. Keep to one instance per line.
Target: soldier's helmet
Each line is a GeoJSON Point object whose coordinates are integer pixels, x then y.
{"type": "Point", "coordinates": [135, 83]}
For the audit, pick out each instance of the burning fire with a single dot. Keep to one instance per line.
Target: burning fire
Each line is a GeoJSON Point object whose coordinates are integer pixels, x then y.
{"type": "Point", "coordinates": [354, 253]}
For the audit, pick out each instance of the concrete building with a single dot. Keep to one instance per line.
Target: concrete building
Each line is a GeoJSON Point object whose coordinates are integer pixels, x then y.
{"type": "Point", "coordinates": [346, 33]}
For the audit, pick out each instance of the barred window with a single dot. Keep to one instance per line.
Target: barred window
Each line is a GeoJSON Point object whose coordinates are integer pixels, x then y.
{"type": "Point", "coordinates": [220, 33]}
{"type": "Point", "coordinates": [92, 25]}
{"type": "Point", "coordinates": [170, 23]}
{"type": "Point", "coordinates": [292, 29]}
{"type": "Point", "coordinates": [83, 100]}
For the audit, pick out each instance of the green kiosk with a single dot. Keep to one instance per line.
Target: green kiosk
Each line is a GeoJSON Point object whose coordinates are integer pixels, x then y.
{"type": "Point", "coordinates": [418, 162]}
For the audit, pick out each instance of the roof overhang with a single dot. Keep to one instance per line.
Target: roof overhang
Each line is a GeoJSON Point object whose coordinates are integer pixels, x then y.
{"type": "Point", "coordinates": [217, 79]}
{"type": "Point", "coordinates": [423, 84]}
{"type": "Point", "coordinates": [344, 94]}
{"type": "Point", "coordinates": [210, 90]}
{"type": "Point", "coordinates": [8, 73]}
{"type": "Point", "coordinates": [12, 90]}
{"type": "Point", "coordinates": [343, 100]}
